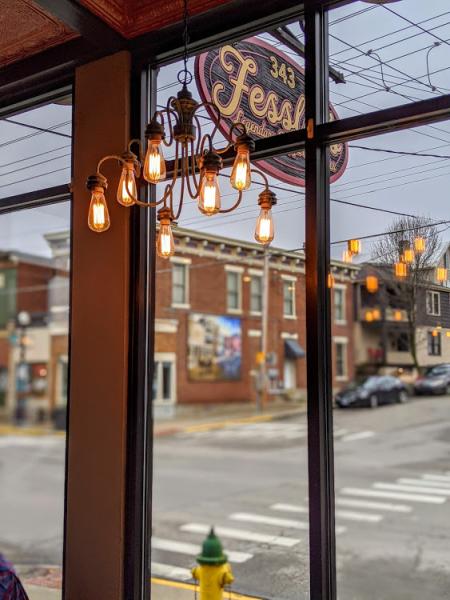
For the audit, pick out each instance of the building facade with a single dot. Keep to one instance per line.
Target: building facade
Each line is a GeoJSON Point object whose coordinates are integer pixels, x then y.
{"type": "Point", "coordinates": [209, 322]}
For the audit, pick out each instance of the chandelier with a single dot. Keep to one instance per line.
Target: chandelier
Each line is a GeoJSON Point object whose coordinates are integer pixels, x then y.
{"type": "Point", "coordinates": [196, 167]}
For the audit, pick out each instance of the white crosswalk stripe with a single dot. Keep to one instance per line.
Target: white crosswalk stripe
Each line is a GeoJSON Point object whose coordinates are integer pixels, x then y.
{"type": "Point", "coordinates": [427, 499]}
{"type": "Point", "coordinates": [170, 572]}
{"type": "Point", "coordinates": [360, 435]}
{"type": "Point", "coordinates": [424, 482]}
{"type": "Point", "coordinates": [242, 534]}
{"type": "Point", "coordinates": [17, 441]}
{"type": "Point", "coordinates": [373, 505]}
{"type": "Point", "coordinates": [340, 514]}
{"type": "Point", "coordinates": [410, 488]}
{"type": "Point", "coordinates": [264, 520]}
{"type": "Point", "coordinates": [194, 549]}
{"type": "Point", "coordinates": [444, 478]}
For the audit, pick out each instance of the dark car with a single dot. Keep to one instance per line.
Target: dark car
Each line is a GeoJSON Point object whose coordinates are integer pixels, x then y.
{"type": "Point", "coordinates": [436, 380]}
{"type": "Point", "coordinates": [375, 390]}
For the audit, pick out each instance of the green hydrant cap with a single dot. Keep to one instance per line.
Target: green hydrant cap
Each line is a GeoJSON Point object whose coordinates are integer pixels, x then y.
{"type": "Point", "coordinates": [212, 551]}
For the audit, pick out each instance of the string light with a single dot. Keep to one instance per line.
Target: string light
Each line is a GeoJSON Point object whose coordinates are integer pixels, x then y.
{"type": "Point", "coordinates": [372, 284]}
{"type": "Point", "coordinates": [401, 269]}
{"type": "Point", "coordinates": [441, 274]}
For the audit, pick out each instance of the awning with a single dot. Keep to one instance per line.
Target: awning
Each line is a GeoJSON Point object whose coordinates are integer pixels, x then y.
{"type": "Point", "coordinates": [293, 350]}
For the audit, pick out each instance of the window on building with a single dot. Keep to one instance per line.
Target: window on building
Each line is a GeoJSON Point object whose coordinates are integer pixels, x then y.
{"type": "Point", "coordinates": [256, 294]}
{"type": "Point", "coordinates": [433, 303]}
{"type": "Point", "coordinates": [234, 293]}
{"type": "Point", "coordinates": [180, 292]}
{"type": "Point", "coordinates": [339, 305]}
{"type": "Point", "coordinates": [341, 359]}
{"type": "Point", "coordinates": [289, 298]}
{"type": "Point", "coordinates": [399, 341]}
{"type": "Point", "coordinates": [434, 343]}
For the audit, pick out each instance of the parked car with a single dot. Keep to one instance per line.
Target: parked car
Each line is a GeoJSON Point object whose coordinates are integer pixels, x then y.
{"type": "Point", "coordinates": [436, 380]}
{"type": "Point", "coordinates": [373, 391]}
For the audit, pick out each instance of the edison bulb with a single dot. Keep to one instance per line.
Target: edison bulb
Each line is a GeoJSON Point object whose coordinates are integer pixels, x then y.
{"type": "Point", "coordinates": [209, 197]}
{"type": "Point", "coordinates": [240, 175]}
{"type": "Point", "coordinates": [127, 190]}
{"type": "Point", "coordinates": [264, 227]}
{"type": "Point", "coordinates": [154, 164]}
{"type": "Point", "coordinates": [165, 246]}
{"type": "Point", "coordinates": [98, 219]}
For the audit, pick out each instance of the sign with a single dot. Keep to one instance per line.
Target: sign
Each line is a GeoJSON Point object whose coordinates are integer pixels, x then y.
{"type": "Point", "coordinates": [254, 83]}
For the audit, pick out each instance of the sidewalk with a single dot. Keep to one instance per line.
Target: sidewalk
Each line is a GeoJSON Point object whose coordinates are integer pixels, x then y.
{"type": "Point", "coordinates": [190, 419]}
{"type": "Point", "coordinates": [161, 590]}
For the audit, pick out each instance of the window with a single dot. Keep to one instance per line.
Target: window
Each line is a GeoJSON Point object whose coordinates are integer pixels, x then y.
{"type": "Point", "coordinates": [180, 291]}
{"type": "Point", "coordinates": [234, 291]}
{"type": "Point", "coordinates": [399, 341]}
{"type": "Point", "coordinates": [289, 298]}
{"type": "Point", "coordinates": [341, 359]}
{"type": "Point", "coordinates": [256, 294]}
{"type": "Point", "coordinates": [434, 343]}
{"type": "Point", "coordinates": [339, 304]}
{"type": "Point", "coordinates": [433, 303]}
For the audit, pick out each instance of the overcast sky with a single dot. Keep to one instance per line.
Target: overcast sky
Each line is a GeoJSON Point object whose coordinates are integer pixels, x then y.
{"type": "Point", "coordinates": [398, 60]}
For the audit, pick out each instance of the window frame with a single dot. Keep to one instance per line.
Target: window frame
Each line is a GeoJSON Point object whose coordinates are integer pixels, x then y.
{"type": "Point", "coordinates": [238, 272]}
{"type": "Point", "coordinates": [430, 306]}
{"type": "Point", "coordinates": [289, 283]}
{"type": "Point", "coordinates": [256, 275]}
{"type": "Point", "coordinates": [341, 289]}
{"type": "Point", "coordinates": [177, 261]}
{"type": "Point", "coordinates": [434, 343]}
{"type": "Point", "coordinates": [341, 342]}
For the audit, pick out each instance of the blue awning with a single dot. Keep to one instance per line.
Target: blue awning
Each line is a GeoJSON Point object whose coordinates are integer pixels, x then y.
{"type": "Point", "coordinates": [293, 350]}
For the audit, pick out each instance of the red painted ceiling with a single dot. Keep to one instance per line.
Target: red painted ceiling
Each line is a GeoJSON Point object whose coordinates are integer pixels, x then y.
{"type": "Point", "coordinates": [26, 29]}
{"type": "Point", "coordinates": [134, 17]}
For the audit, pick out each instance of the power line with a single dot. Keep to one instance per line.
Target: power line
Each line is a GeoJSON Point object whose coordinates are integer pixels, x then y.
{"type": "Point", "coordinates": [30, 135]}
{"type": "Point", "coordinates": [22, 159]}
{"type": "Point", "coordinates": [36, 128]}
{"type": "Point", "coordinates": [401, 152]}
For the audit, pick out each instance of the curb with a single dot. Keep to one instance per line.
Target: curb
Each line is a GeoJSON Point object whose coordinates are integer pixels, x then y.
{"type": "Point", "coordinates": [214, 425]}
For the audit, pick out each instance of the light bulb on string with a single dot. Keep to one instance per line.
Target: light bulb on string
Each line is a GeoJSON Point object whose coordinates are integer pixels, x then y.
{"type": "Point", "coordinates": [98, 217]}
{"type": "Point", "coordinates": [209, 194]}
{"type": "Point", "coordinates": [408, 256]}
{"type": "Point", "coordinates": [419, 245]}
{"type": "Point", "coordinates": [347, 256]}
{"type": "Point", "coordinates": [372, 284]}
{"type": "Point", "coordinates": [127, 188]}
{"type": "Point", "coordinates": [154, 163]}
{"type": "Point", "coordinates": [264, 230]}
{"type": "Point", "coordinates": [165, 245]}
{"type": "Point", "coordinates": [240, 177]}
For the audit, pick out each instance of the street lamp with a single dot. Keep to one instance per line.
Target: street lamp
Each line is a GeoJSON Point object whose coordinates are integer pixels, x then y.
{"type": "Point", "coordinates": [23, 320]}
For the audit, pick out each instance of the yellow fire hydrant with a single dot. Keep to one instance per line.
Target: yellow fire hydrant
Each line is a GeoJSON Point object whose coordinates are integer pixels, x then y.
{"type": "Point", "coordinates": [213, 572]}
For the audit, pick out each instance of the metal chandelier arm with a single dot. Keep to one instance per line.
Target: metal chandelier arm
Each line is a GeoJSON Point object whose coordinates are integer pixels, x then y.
{"type": "Point", "coordinates": [223, 211]}
{"type": "Point", "coordinates": [109, 157]}
{"type": "Point", "coordinates": [263, 177]}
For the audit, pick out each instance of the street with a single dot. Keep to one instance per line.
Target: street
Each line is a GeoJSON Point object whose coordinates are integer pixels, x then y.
{"type": "Point", "coordinates": [250, 482]}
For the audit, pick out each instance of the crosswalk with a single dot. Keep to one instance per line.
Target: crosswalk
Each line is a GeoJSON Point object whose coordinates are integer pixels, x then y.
{"type": "Point", "coordinates": [271, 431]}
{"type": "Point", "coordinates": [284, 526]}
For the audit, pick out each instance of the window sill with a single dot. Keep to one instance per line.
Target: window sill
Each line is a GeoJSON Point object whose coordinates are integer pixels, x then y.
{"type": "Point", "coordinates": [290, 317]}
{"type": "Point", "coordinates": [254, 313]}
{"type": "Point", "coordinates": [341, 378]}
{"type": "Point", "coordinates": [234, 311]}
{"type": "Point", "coordinates": [181, 306]}
{"type": "Point", "coordinates": [340, 322]}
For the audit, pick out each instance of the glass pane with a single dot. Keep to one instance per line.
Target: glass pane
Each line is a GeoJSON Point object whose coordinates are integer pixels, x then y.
{"type": "Point", "coordinates": [238, 401]}
{"type": "Point", "coordinates": [35, 148]}
{"type": "Point", "coordinates": [391, 442]}
{"type": "Point", "coordinates": [34, 322]}
{"type": "Point", "coordinates": [388, 54]}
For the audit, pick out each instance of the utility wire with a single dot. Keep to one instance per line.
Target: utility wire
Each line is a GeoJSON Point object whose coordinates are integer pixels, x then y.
{"type": "Point", "coordinates": [36, 128]}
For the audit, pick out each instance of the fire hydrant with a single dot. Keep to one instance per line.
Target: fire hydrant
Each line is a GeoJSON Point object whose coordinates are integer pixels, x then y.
{"type": "Point", "coordinates": [213, 571]}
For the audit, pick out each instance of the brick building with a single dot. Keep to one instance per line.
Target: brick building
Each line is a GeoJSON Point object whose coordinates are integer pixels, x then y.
{"type": "Point", "coordinates": [208, 321]}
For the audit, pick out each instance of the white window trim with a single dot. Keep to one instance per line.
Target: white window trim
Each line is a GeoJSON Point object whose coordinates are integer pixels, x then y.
{"type": "Point", "coordinates": [343, 287]}
{"type": "Point", "coordinates": [292, 280]}
{"type": "Point", "coordinates": [431, 313]}
{"type": "Point", "coordinates": [254, 333]}
{"type": "Point", "coordinates": [171, 357]}
{"type": "Point", "coordinates": [178, 260]}
{"type": "Point", "coordinates": [343, 341]}
{"type": "Point", "coordinates": [239, 271]}
{"type": "Point", "coordinates": [285, 335]}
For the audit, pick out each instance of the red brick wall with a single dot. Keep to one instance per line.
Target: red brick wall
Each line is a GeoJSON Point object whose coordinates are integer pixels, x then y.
{"type": "Point", "coordinates": [32, 287]}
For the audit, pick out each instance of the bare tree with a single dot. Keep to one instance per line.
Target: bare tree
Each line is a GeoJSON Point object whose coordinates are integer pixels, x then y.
{"type": "Point", "coordinates": [388, 250]}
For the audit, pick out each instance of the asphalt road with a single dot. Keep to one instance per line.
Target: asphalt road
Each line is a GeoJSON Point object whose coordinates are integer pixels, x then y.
{"type": "Point", "coordinates": [250, 481]}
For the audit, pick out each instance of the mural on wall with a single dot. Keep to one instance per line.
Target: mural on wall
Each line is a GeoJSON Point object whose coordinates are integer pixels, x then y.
{"type": "Point", "coordinates": [214, 348]}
